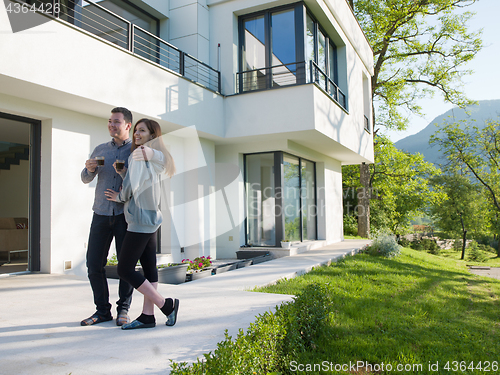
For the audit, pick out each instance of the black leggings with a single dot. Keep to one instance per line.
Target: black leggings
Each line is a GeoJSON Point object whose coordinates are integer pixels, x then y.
{"type": "Point", "coordinates": [138, 246]}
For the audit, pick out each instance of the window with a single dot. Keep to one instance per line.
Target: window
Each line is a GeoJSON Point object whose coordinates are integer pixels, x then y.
{"type": "Point", "coordinates": [271, 49]}
{"type": "Point", "coordinates": [286, 46]}
{"type": "Point", "coordinates": [280, 198]}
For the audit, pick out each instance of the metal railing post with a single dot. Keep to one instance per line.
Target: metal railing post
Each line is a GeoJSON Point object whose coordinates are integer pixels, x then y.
{"type": "Point", "coordinates": [181, 63]}
{"type": "Point", "coordinates": [131, 37]}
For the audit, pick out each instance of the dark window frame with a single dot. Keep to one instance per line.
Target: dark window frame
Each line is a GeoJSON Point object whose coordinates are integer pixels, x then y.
{"type": "Point", "coordinates": [300, 12]}
{"type": "Point", "coordinates": [279, 179]}
{"type": "Point", "coordinates": [34, 208]}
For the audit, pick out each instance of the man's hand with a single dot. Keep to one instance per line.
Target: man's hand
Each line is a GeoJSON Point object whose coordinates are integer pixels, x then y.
{"type": "Point", "coordinates": [91, 165]}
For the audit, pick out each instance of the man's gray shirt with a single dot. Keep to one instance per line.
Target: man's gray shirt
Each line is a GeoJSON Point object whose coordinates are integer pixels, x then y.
{"type": "Point", "coordinates": [108, 178]}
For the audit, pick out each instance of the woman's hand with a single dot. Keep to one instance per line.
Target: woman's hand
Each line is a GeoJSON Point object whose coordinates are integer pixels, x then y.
{"type": "Point", "coordinates": [140, 151]}
{"type": "Point", "coordinates": [111, 195]}
{"type": "Point", "coordinates": [122, 171]}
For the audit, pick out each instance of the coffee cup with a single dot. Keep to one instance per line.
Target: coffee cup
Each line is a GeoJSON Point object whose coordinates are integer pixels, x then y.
{"type": "Point", "coordinates": [120, 164]}
{"type": "Point", "coordinates": [100, 160]}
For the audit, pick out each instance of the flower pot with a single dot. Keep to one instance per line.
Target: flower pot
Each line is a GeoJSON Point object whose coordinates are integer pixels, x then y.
{"type": "Point", "coordinates": [244, 263]}
{"type": "Point", "coordinates": [224, 268]}
{"type": "Point", "coordinates": [286, 245]}
{"type": "Point", "coordinates": [199, 275]}
{"type": "Point", "coordinates": [112, 271]}
{"type": "Point", "coordinates": [261, 258]}
{"type": "Point", "coordinates": [174, 274]}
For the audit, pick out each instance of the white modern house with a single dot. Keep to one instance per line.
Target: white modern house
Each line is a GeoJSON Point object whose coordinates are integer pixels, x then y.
{"type": "Point", "coordinates": [261, 103]}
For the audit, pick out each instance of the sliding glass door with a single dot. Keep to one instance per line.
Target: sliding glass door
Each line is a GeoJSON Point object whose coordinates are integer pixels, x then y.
{"type": "Point", "coordinates": [280, 198]}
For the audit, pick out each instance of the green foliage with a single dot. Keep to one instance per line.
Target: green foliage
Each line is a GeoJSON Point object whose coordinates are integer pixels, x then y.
{"type": "Point", "coordinates": [416, 309]}
{"type": "Point", "coordinates": [474, 153]}
{"type": "Point", "coordinates": [350, 225]}
{"type": "Point", "coordinates": [419, 47]}
{"type": "Point", "coordinates": [271, 342]}
{"type": "Point", "coordinates": [400, 187]}
{"type": "Point", "coordinates": [464, 206]}
{"type": "Point", "coordinates": [112, 261]}
{"type": "Point", "coordinates": [475, 254]}
{"type": "Point", "coordinates": [384, 245]}
{"type": "Point", "coordinates": [198, 263]}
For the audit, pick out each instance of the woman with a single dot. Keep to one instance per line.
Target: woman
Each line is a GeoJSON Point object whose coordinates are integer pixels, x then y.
{"type": "Point", "coordinates": [141, 195]}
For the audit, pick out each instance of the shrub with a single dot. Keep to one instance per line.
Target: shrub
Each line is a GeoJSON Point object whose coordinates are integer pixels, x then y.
{"type": "Point", "coordinates": [474, 253]}
{"type": "Point", "coordinates": [457, 245]}
{"type": "Point", "coordinates": [404, 242]}
{"type": "Point", "coordinates": [384, 245]}
{"type": "Point", "coordinates": [271, 342]}
{"type": "Point", "coordinates": [350, 225]}
{"type": "Point", "coordinates": [430, 245]}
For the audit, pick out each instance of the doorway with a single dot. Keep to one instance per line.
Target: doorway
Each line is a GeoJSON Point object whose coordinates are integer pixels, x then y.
{"type": "Point", "coordinates": [20, 165]}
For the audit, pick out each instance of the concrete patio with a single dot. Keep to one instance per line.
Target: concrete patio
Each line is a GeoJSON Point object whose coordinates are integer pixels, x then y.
{"type": "Point", "coordinates": [40, 316]}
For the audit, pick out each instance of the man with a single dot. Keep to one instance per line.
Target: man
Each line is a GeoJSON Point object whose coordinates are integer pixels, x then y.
{"type": "Point", "coordinates": [108, 220]}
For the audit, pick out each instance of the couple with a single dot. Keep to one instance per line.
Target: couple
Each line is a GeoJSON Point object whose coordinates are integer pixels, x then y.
{"type": "Point", "coordinates": [146, 157]}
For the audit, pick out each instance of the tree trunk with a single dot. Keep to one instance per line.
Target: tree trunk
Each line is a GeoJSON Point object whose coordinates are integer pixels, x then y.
{"type": "Point", "coordinates": [351, 3]}
{"type": "Point", "coordinates": [464, 239]}
{"type": "Point", "coordinates": [363, 208]}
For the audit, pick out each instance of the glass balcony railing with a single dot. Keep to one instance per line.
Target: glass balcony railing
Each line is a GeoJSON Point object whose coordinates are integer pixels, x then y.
{"type": "Point", "coordinates": [109, 26]}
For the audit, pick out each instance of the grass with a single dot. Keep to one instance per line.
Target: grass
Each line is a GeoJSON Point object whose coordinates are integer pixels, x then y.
{"type": "Point", "coordinates": [490, 259]}
{"type": "Point", "coordinates": [416, 310]}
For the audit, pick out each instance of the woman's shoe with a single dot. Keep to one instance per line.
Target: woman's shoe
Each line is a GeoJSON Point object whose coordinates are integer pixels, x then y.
{"type": "Point", "coordinates": [172, 317]}
{"type": "Point", "coordinates": [136, 324]}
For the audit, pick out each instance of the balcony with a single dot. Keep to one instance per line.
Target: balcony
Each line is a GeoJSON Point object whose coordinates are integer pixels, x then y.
{"type": "Point", "coordinates": [288, 75]}
{"type": "Point", "coordinates": [108, 26]}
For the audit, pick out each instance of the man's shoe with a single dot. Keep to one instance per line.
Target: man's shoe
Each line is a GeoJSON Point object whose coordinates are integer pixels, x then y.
{"type": "Point", "coordinates": [122, 318]}
{"type": "Point", "coordinates": [172, 318]}
{"type": "Point", "coordinates": [96, 319]}
{"type": "Point", "coordinates": [136, 324]}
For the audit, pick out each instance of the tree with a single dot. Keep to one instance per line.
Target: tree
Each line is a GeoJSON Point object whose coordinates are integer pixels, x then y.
{"type": "Point", "coordinates": [475, 153]}
{"type": "Point", "coordinates": [463, 210]}
{"type": "Point", "coordinates": [420, 47]}
{"type": "Point", "coordinates": [401, 187]}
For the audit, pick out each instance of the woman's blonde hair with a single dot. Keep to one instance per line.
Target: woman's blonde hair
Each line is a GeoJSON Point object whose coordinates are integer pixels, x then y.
{"type": "Point", "coordinates": [157, 143]}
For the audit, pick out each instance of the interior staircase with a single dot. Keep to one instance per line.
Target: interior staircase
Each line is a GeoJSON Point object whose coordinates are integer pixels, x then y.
{"type": "Point", "coordinates": [12, 153]}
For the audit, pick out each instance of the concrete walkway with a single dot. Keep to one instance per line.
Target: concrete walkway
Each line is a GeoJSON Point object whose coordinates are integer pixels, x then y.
{"type": "Point", "coordinates": [40, 316]}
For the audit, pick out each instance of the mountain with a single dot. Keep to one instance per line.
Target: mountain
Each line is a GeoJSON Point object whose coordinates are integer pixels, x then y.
{"type": "Point", "coordinates": [484, 110]}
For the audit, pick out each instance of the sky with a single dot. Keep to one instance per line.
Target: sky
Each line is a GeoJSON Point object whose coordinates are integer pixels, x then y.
{"type": "Point", "coordinates": [483, 84]}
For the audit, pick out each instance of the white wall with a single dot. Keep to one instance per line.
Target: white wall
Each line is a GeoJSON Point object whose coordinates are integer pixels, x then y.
{"type": "Point", "coordinates": [329, 189]}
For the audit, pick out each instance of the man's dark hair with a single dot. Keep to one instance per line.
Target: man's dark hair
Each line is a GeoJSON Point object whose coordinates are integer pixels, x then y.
{"type": "Point", "coordinates": [127, 115]}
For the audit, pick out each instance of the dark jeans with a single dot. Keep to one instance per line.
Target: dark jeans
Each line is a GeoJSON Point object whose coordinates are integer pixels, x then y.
{"type": "Point", "coordinates": [102, 231]}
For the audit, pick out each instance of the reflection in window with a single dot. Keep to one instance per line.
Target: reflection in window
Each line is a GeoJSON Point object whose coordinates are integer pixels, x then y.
{"type": "Point", "coordinates": [254, 53]}
{"type": "Point", "coordinates": [259, 180]}
{"type": "Point", "coordinates": [269, 204]}
{"type": "Point", "coordinates": [291, 197]}
{"type": "Point", "coordinates": [308, 197]}
{"type": "Point", "coordinates": [283, 48]}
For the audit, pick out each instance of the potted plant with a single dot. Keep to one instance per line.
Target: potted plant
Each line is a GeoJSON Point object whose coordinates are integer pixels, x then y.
{"type": "Point", "coordinates": [111, 267]}
{"type": "Point", "coordinates": [198, 268]}
{"type": "Point", "coordinates": [285, 244]}
{"type": "Point", "coordinates": [172, 273]}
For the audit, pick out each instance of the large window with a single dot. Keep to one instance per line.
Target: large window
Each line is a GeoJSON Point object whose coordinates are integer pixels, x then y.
{"type": "Point", "coordinates": [271, 49]}
{"type": "Point", "coordinates": [280, 198]}
{"type": "Point", "coordinates": [286, 46]}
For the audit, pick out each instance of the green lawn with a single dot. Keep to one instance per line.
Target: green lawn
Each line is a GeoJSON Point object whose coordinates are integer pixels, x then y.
{"type": "Point", "coordinates": [490, 259]}
{"type": "Point", "coordinates": [417, 310]}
